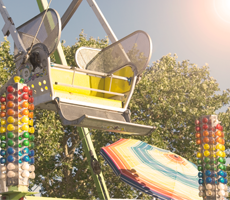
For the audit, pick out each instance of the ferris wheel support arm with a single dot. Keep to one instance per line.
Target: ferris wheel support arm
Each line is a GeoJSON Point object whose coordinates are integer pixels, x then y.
{"type": "Point", "coordinates": [9, 28]}
{"type": "Point", "coordinates": [102, 20]}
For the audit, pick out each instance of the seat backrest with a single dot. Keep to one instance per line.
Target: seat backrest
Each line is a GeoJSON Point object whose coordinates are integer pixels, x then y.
{"type": "Point", "coordinates": [135, 48]}
{"type": "Point", "coordinates": [84, 55]}
{"type": "Point", "coordinates": [49, 33]}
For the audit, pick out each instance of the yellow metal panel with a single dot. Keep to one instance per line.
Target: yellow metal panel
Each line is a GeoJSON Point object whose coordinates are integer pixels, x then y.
{"type": "Point", "coordinates": [64, 76]}
{"type": "Point", "coordinates": [97, 83]}
{"type": "Point", "coordinates": [119, 86]}
{"type": "Point", "coordinates": [88, 99]}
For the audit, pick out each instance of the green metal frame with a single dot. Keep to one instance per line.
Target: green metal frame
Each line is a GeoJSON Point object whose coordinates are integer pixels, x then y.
{"type": "Point", "coordinates": [83, 132]}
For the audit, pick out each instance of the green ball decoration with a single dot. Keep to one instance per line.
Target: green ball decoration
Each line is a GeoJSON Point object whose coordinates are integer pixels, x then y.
{"type": "Point", "coordinates": [224, 167]}
{"type": "Point", "coordinates": [3, 138]}
{"type": "Point", "coordinates": [10, 143]}
{"type": "Point", "coordinates": [221, 166]}
{"type": "Point", "coordinates": [31, 138]}
{"type": "Point", "coordinates": [10, 135]}
{"type": "Point", "coordinates": [199, 162]}
{"type": "Point", "coordinates": [20, 137]}
{"type": "Point", "coordinates": [200, 168]}
{"type": "Point", "coordinates": [31, 146]}
{"type": "Point", "coordinates": [25, 143]}
{"type": "Point", "coordinates": [206, 160]}
{"type": "Point", "coordinates": [3, 145]}
{"type": "Point", "coordinates": [21, 80]}
{"type": "Point", "coordinates": [220, 159]}
{"type": "Point", "coordinates": [20, 146]}
{"type": "Point", "coordinates": [224, 160]}
{"type": "Point", "coordinates": [207, 166]}
{"type": "Point", "coordinates": [26, 135]}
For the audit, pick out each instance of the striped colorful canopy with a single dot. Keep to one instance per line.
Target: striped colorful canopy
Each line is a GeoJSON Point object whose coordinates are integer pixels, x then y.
{"type": "Point", "coordinates": [155, 171]}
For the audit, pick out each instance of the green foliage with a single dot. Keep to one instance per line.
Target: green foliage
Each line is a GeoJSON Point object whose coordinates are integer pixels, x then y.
{"type": "Point", "coordinates": [170, 96]}
{"type": "Point", "coordinates": [7, 65]}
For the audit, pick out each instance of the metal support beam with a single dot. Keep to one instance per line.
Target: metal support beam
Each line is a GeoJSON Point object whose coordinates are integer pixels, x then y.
{"type": "Point", "coordinates": [59, 54]}
{"type": "Point", "coordinates": [88, 146]}
{"type": "Point", "coordinates": [87, 142]}
{"type": "Point", "coordinates": [9, 28]}
{"type": "Point", "coordinates": [102, 20]}
{"type": "Point", "coordinates": [69, 12]}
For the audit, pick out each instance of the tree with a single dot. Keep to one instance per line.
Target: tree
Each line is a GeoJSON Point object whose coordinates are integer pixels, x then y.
{"type": "Point", "coordinates": [170, 96]}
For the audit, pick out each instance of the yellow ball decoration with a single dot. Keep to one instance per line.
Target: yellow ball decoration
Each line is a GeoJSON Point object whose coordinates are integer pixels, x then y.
{"type": "Point", "coordinates": [206, 153]}
{"type": "Point", "coordinates": [19, 130]}
{"type": "Point", "coordinates": [25, 127]}
{"type": "Point", "coordinates": [219, 153]}
{"type": "Point", "coordinates": [17, 79]}
{"type": "Point", "coordinates": [3, 122]}
{"type": "Point", "coordinates": [25, 119]}
{"type": "Point", "coordinates": [2, 130]}
{"type": "Point", "coordinates": [206, 146]}
{"type": "Point", "coordinates": [10, 127]}
{"type": "Point", "coordinates": [223, 154]}
{"type": "Point", "coordinates": [31, 122]}
{"type": "Point", "coordinates": [223, 148]}
{"type": "Point", "coordinates": [198, 155]}
{"type": "Point", "coordinates": [219, 146]}
{"type": "Point", "coordinates": [31, 130]}
{"type": "Point", "coordinates": [10, 120]}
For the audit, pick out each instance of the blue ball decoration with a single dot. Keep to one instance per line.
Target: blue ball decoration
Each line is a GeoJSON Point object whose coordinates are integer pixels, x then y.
{"type": "Point", "coordinates": [31, 153]}
{"type": "Point", "coordinates": [3, 152]}
{"type": "Point", "coordinates": [225, 181]}
{"type": "Point", "coordinates": [200, 174]}
{"type": "Point", "coordinates": [25, 150]}
{"type": "Point", "coordinates": [3, 160]}
{"type": "Point", "coordinates": [221, 180]}
{"type": "Point", "coordinates": [208, 173]}
{"type": "Point", "coordinates": [220, 173]}
{"type": "Point", "coordinates": [20, 161]}
{"type": "Point", "coordinates": [208, 180]}
{"type": "Point", "coordinates": [32, 160]}
{"type": "Point", "coordinates": [20, 153]}
{"type": "Point", "coordinates": [10, 150]}
{"type": "Point", "coordinates": [26, 158]}
{"type": "Point", "coordinates": [200, 181]}
{"type": "Point", "coordinates": [10, 158]}
{"type": "Point", "coordinates": [225, 174]}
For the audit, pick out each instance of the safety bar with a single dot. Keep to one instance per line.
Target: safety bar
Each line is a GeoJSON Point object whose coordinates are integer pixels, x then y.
{"type": "Point", "coordinates": [92, 89]}
{"type": "Point", "coordinates": [91, 72]}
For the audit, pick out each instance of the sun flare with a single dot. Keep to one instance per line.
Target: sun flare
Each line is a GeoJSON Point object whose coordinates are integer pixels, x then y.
{"type": "Point", "coordinates": [222, 8]}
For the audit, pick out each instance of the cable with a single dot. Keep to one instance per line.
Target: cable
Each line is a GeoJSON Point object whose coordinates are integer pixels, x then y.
{"type": "Point", "coordinates": [32, 44]}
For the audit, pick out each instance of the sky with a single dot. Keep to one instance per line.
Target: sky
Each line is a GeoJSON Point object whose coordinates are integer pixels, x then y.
{"type": "Point", "coordinates": [197, 30]}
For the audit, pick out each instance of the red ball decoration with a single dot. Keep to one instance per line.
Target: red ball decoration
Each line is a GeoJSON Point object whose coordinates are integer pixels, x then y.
{"type": "Point", "coordinates": [205, 120]}
{"type": "Point", "coordinates": [218, 126]}
{"type": "Point", "coordinates": [10, 97]}
{"type": "Point", "coordinates": [25, 96]}
{"type": "Point", "coordinates": [209, 121]}
{"type": "Point", "coordinates": [197, 122]}
{"type": "Point", "coordinates": [19, 92]}
{"type": "Point", "coordinates": [205, 126]}
{"type": "Point", "coordinates": [197, 128]}
{"type": "Point", "coordinates": [25, 89]}
{"type": "Point", "coordinates": [19, 99]}
{"type": "Point", "coordinates": [31, 100]}
{"type": "Point", "coordinates": [221, 128]}
{"type": "Point", "coordinates": [10, 89]}
{"type": "Point", "coordinates": [3, 99]}
{"type": "Point", "coordinates": [30, 92]}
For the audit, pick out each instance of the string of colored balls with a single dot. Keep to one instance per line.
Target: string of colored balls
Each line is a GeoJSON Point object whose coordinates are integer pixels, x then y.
{"type": "Point", "coordinates": [211, 158]}
{"type": "Point", "coordinates": [17, 133]}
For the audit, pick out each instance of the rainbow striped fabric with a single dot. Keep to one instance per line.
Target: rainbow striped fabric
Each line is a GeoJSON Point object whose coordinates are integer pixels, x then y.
{"type": "Point", "coordinates": [152, 170]}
